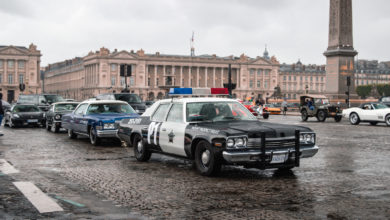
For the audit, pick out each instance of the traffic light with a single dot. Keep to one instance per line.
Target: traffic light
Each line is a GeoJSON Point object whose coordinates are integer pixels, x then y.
{"type": "Point", "coordinates": [348, 81]}
{"type": "Point", "coordinates": [128, 70]}
{"type": "Point", "coordinates": [22, 87]}
{"type": "Point", "coordinates": [122, 70]}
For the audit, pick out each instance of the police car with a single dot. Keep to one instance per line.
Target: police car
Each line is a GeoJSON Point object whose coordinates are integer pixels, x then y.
{"type": "Point", "coordinates": [213, 132]}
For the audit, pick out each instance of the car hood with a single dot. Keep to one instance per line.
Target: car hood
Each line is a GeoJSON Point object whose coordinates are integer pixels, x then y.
{"type": "Point", "coordinates": [26, 115]}
{"type": "Point", "coordinates": [254, 128]}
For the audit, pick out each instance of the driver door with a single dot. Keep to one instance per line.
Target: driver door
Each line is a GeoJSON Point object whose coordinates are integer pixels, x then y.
{"type": "Point", "coordinates": [368, 113]}
{"type": "Point", "coordinates": [173, 131]}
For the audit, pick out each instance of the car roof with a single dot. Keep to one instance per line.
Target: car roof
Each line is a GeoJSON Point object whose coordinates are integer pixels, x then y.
{"type": "Point", "coordinates": [198, 99]}
{"type": "Point", "coordinates": [103, 101]}
{"type": "Point", "coordinates": [65, 103]}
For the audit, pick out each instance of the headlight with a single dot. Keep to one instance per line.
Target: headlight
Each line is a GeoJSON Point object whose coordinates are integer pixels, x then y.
{"type": "Point", "coordinates": [57, 117]}
{"type": "Point", "coordinates": [15, 116]}
{"type": "Point", "coordinates": [236, 142]}
{"type": "Point", "coordinates": [108, 125]}
{"type": "Point", "coordinates": [307, 138]}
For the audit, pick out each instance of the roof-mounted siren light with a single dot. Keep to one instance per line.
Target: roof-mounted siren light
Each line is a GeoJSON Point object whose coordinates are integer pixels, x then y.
{"type": "Point", "coordinates": [198, 91]}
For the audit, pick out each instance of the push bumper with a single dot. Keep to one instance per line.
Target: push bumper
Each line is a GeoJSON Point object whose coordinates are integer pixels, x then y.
{"type": "Point", "coordinates": [106, 133]}
{"type": "Point", "coordinates": [254, 155]}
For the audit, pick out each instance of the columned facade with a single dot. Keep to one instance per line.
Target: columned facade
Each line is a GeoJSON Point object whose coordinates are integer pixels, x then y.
{"type": "Point", "coordinates": [19, 65]}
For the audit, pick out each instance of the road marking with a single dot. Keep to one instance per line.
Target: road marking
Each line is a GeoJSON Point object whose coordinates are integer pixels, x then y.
{"type": "Point", "coordinates": [7, 168]}
{"type": "Point", "coordinates": [70, 202]}
{"type": "Point", "coordinates": [40, 200]}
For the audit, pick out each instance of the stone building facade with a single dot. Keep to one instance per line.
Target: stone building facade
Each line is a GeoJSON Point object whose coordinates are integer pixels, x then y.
{"type": "Point", "coordinates": [19, 65]}
{"type": "Point", "coordinates": [368, 72]}
{"type": "Point", "coordinates": [153, 74]}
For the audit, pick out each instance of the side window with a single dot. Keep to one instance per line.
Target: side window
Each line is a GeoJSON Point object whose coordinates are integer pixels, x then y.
{"type": "Point", "coordinates": [176, 113]}
{"type": "Point", "coordinates": [80, 109]}
{"type": "Point", "coordinates": [160, 113]}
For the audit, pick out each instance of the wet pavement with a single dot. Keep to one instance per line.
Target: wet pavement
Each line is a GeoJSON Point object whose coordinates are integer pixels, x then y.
{"type": "Point", "coordinates": [347, 179]}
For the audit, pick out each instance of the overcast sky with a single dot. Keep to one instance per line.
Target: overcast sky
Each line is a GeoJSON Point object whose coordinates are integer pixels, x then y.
{"type": "Point", "coordinates": [291, 29]}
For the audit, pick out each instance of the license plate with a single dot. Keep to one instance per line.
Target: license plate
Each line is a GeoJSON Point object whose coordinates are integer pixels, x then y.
{"type": "Point", "coordinates": [32, 120]}
{"type": "Point", "coordinates": [278, 158]}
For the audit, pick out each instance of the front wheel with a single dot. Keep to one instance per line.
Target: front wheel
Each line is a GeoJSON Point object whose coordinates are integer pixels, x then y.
{"type": "Point", "coordinates": [94, 139]}
{"type": "Point", "coordinates": [337, 118]}
{"type": "Point", "coordinates": [206, 162]}
{"type": "Point", "coordinates": [141, 153]}
{"type": "Point", "coordinates": [387, 118]}
{"type": "Point", "coordinates": [71, 134]}
{"type": "Point", "coordinates": [304, 115]}
{"type": "Point", "coordinates": [354, 118]}
{"type": "Point", "coordinates": [321, 116]}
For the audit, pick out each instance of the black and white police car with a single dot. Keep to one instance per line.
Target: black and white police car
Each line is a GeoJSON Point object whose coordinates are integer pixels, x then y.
{"type": "Point", "coordinates": [213, 132]}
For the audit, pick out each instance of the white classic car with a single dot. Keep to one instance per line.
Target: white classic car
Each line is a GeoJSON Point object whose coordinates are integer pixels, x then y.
{"type": "Point", "coordinates": [368, 112]}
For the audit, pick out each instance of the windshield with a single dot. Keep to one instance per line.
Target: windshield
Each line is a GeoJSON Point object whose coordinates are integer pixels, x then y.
{"type": "Point", "coordinates": [28, 99]}
{"type": "Point", "coordinates": [130, 98]}
{"type": "Point", "coordinates": [54, 98]}
{"type": "Point", "coordinates": [26, 108]}
{"type": "Point", "coordinates": [217, 111]}
{"type": "Point", "coordinates": [110, 108]}
{"type": "Point", "coordinates": [385, 99]}
{"type": "Point", "coordinates": [65, 107]}
{"type": "Point", "coordinates": [379, 106]}
{"type": "Point", "coordinates": [321, 101]}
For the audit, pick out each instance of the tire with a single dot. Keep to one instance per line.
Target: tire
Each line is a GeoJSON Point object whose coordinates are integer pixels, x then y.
{"type": "Point", "coordinates": [354, 118]}
{"type": "Point", "coordinates": [71, 134]}
{"type": "Point", "coordinates": [265, 116]}
{"type": "Point", "coordinates": [321, 116]}
{"type": "Point", "coordinates": [93, 138]}
{"type": "Point", "coordinates": [5, 123]}
{"type": "Point", "coordinates": [373, 122]}
{"type": "Point", "coordinates": [56, 128]}
{"type": "Point", "coordinates": [206, 162]}
{"type": "Point", "coordinates": [387, 118]}
{"type": "Point", "coordinates": [337, 118]}
{"type": "Point", "coordinates": [48, 127]}
{"type": "Point", "coordinates": [10, 124]}
{"type": "Point", "coordinates": [304, 115]}
{"type": "Point", "coordinates": [141, 153]}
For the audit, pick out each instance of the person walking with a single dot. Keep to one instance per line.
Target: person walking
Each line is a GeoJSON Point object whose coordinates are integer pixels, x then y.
{"type": "Point", "coordinates": [1, 112]}
{"type": "Point", "coordinates": [284, 107]}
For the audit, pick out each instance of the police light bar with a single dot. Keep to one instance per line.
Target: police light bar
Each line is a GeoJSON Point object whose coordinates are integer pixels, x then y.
{"type": "Point", "coordinates": [198, 91]}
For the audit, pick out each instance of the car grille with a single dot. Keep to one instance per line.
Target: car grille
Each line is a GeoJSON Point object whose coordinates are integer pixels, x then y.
{"type": "Point", "coordinates": [272, 142]}
{"type": "Point", "coordinates": [332, 109]}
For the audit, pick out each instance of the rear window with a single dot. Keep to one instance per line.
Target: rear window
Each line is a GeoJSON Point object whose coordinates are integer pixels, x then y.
{"type": "Point", "coordinates": [130, 98]}
{"type": "Point", "coordinates": [28, 99]}
{"type": "Point", "coordinates": [110, 108]}
{"type": "Point", "coordinates": [65, 107]}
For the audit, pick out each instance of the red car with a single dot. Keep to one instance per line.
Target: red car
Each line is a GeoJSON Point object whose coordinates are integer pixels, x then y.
{"type": "Point", "coordinates": [254, 109]}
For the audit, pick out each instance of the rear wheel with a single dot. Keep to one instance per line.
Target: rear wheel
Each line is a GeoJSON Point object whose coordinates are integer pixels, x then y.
{"type": "Point", "coordinates": [94, 139]}
{"type": "Point", "coordinates": [141, 153]}
{"type": "Point", "coordinates": [337, 118]}
{"type": "Point", "coordinates": [321, 116]}
{"type": "Point", "coordinates": [206, 162]}
{"type": "Point", "coordinates": [304, 115]}
{"type": "Point", "coordinates": [354, 118]}
{"type": "Point", "coordinates": [71, 134]}
{"type": "Point", "coordinates": [373, 122]}
{"type": "Point", "coordinates": [48, 127]}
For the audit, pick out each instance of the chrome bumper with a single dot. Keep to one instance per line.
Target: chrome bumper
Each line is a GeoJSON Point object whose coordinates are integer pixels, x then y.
{"type": "Point", "coordinates": [106, 133]}
{"type": "Point", "coordinates": [253, 156]}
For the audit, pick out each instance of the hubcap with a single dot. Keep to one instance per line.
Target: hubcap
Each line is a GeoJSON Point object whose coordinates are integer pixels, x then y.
{"type": "Point", "coordinates": [388, 120]}
{"type": "Point", "coordinates": [206, 157]}
{"type": "Point", "coordinates": [139, 147]}
{"type": "Point", "coordinates": [353, 118]}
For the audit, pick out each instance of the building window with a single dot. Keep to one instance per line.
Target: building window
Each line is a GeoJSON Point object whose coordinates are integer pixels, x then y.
{"type": "Point", "coordinates": [295, 78]}
{"type": "Point", "coordinates": [149, 81]}
{"type": "Point", "coordinates": [131, 80]}
{"type": "Point", "coordinates": [266, 72]}
{"type": "Point", "coordinates": [21, 78]}
{"type": "Point", "coordinates": [113, 67]}
{"type": "Point", "coordinates": [258, 83]}
{"type": "Point", "coordinates": [265, 85]}
{"type": "Point", "coordinates": [21, 64]}
{"type": "Point", "coordinates": [316, 78]}
{"type": "Point", "coordinates": [122, 81]}
{"type": "Point", "coordinates": [10, 64]}
{"type": "Point", "coordinates": [284, 78]}
{"type": "Point", "coordinates": [289, 78]}
{"type": "Point", "coordinates": [322, 78]}
{"type": "Point", "coordinates": [251, 72]}
{"type": "Point", "coordinates": [301, 78]}
{"type": "Point", "coordinates": [10, 79]}
{"type": "Point", "coordinates": [295, 96]}
{"type": "Point", "coordinates": [259, 72]}
{"type": "Point", "coordinates": [311, 78]}
{"type": "Point", "coordinates": [113, 80]}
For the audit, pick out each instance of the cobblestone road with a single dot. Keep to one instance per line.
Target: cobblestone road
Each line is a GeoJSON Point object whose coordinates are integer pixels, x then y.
{"type": "Point", "coordinates": [348, 178]}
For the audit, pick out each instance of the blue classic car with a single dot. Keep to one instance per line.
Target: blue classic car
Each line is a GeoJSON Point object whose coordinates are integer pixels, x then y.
{"type": "Point", "coordinates": [96, 119]}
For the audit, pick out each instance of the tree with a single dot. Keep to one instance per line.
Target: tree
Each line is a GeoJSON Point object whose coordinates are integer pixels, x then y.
{"type": "Point", "coordinates": [383, 89]}
{"type": "Point", "coordinates": [364, 90]}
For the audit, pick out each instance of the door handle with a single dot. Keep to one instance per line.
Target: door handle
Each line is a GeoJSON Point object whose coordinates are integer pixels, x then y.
{"type": "Point", "coordinates": [163, 129]}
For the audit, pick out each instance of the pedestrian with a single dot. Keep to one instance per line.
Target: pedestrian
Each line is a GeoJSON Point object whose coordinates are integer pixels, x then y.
{"type": "Point", "coordinates": [1, 112]}
{"type": "Point", "coordinates": [284, 107]}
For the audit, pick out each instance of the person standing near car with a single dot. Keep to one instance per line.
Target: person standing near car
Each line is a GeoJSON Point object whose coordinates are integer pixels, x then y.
{"type": "Point", "coordinates": [1, 112]}
{"type": "Point", "coordinates": [284, 107]}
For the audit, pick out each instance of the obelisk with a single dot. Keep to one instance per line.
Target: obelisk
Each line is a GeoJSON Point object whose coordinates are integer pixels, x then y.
{"type": "Point", "coordinates": [340, 53]}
